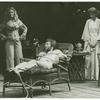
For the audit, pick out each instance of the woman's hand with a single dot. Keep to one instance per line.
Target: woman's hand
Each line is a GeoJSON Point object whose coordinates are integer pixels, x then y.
{"type": "Point", "coordinates": [23, 37]}
{"type": "Point", "coordinates": [3, 37]}
{"type": "Point", "coordinates": [93, 42]}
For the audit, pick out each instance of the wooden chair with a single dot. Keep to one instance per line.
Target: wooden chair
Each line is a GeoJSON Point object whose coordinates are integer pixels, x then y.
{"type": "Point", "coordinates": [45, 77]}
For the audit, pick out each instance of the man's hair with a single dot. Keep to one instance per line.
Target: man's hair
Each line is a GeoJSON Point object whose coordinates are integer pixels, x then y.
{"type": "Point", "coordinates": [53, 42]}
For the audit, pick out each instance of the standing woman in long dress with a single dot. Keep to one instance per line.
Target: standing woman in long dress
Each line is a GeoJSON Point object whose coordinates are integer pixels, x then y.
{"type": "Point", "coordinates": [13, 48]}
{"type": "Point", "coordinates": [91, 35]}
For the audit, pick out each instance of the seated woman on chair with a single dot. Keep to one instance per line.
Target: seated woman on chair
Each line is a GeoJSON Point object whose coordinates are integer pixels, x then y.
{"type": "Point", "coordinates": [46, 59]}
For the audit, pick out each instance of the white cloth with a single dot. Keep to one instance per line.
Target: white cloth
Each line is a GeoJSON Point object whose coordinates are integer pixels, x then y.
{"type": "Point", "coordinates": [91, 35]}
{"type": "Point", "coordinates": [13, 28]}
{"type": "Point", "coordinates": [13, 53]}
{"type": "Point", "coordinates": [45, 61]}
{"type": "Point", "coordinates": [13, 45]}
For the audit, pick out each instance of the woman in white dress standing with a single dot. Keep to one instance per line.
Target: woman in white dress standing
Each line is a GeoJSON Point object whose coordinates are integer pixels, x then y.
{"type": "Point", "coordinates": [90, 36]}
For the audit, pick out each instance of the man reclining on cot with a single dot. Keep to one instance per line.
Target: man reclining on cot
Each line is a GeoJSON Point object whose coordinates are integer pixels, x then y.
{"type": "Point", "coordinates": [46, 59]}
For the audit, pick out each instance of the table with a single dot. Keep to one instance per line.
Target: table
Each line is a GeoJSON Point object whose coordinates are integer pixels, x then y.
{"type": "Point", "coordinates": [77, 68]}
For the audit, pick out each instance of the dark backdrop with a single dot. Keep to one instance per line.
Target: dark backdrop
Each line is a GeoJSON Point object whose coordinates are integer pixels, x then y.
{"type": "Point", "coordinates": [63, 21]}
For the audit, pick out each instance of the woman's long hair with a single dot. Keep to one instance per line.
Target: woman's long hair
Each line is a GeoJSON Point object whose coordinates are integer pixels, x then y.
{"type": "Point", "coordinates": [6, 15]}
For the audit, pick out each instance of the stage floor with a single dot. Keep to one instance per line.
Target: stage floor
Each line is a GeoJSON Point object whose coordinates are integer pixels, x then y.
{"type": "Point", "coordinates": [87, 89]}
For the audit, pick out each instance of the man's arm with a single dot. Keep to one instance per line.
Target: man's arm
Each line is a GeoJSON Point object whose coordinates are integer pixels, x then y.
{"type": "Point", "coordinates": [64, 55]}
{"type": "Point", "coordinates": [41, 54]}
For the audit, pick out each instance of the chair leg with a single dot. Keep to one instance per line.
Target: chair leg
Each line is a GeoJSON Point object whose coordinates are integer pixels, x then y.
{"type": "Point", "coordinates": [3, 90]}
{"type": "Point", "coordinates": [50, 91]}
{"type": "Point", "coordinates": [23, 91]}
{"type": "Point", "coordinates": [31, 90]}
{"type": "Point", "coordinates": [69, 85]}
{"type": "Point", "coordinates": [4, 86]}
{"type": "Point", "coordinates": [98, 83]}
{"type": "Point", "coordinates": [68, 82]}
{"type": "Point", "coordinates": [31, 93]}
{"type": "Point", "coordinates": [99, 78]}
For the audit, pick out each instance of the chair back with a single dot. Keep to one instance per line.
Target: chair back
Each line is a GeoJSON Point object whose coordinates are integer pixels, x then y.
{"type": "Point", "coordinates": [66, 46]}
{"type": "Point", "coordinates": [61, 46]}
